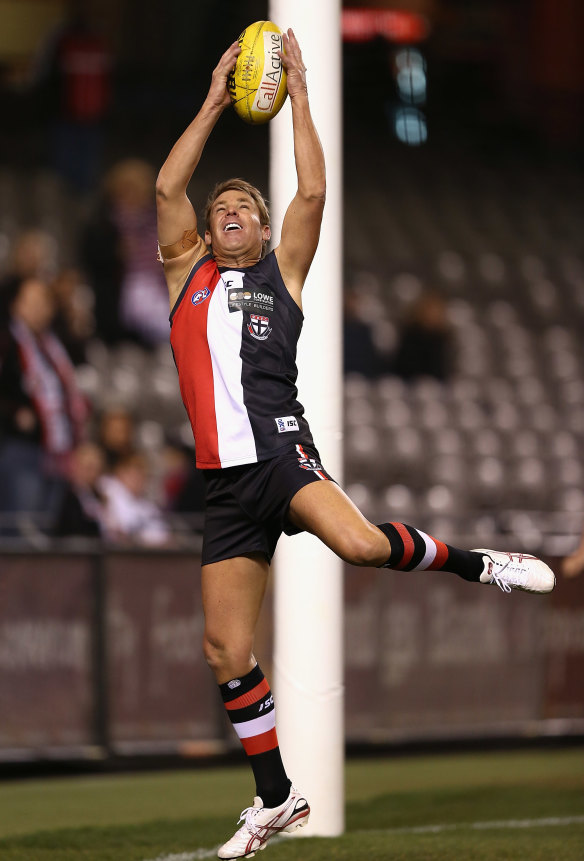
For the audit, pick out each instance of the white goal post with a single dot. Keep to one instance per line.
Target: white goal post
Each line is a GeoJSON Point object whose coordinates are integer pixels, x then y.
{"type": "Point", "coordinates": [308, 654]}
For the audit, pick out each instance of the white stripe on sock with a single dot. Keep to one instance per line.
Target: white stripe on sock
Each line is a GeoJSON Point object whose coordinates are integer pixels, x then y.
{"type": "Point", "coordinates": [430, 553]}
{"type": "Point", "coordinates": [257, 726]}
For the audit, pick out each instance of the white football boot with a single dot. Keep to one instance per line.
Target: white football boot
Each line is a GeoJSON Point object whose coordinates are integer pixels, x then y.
{"type": "Point", "coordinates": [260, 823]}
{"type": "Point", "coordinates": [516, 571]}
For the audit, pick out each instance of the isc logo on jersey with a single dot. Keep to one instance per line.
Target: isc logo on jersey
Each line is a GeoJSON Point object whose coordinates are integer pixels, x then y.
{"type": "Point", "coordinates": [200, 296]}
{"type": "Point", "coordinates": [285, 424]}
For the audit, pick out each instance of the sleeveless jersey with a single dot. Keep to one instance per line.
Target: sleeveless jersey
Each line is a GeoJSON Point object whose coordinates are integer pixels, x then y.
{"type": "Point", "coordinates": [234, 334]}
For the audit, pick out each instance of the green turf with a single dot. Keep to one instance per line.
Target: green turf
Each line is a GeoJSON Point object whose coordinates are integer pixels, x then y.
{"type": "Point", "coordinates": [139, 817]}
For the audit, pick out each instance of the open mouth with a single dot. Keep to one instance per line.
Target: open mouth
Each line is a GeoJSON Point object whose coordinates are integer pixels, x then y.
{"type": "Point", "coordinates": [232, 226]}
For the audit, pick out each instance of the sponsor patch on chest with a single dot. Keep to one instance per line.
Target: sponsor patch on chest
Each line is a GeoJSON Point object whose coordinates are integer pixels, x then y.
{"type": "Point", "coordinates": [286, 424]}
{"type": "Point", "coordinates": [254, 301]}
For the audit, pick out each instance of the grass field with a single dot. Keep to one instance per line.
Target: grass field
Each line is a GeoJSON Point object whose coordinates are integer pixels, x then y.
{"type": "Point", "coordinates": [489, 807]}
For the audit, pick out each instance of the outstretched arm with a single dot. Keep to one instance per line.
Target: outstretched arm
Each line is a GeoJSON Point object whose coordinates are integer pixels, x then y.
{"type": "Point", "coordinates": [301, 227]}
{"type": "Point", "coordinates": [175, 211]}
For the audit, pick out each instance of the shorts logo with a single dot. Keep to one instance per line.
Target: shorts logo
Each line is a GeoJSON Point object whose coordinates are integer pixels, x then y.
{"type": "Point", "coordinates": [305, 462]}
{"type": "Point", "coordinates": [200, 296]}
{"type": "Point", "coordinates": [286, 423]}
{"type": "Point", "coordinates": [259, 327]}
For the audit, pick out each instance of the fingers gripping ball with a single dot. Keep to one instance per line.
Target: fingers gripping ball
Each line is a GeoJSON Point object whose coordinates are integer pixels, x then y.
{"type": "Point", "coordinates": [257, 85]}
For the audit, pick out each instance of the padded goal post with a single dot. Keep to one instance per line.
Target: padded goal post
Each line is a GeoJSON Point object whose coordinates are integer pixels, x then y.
{"type": "Point", "coordinates": [308, 655]}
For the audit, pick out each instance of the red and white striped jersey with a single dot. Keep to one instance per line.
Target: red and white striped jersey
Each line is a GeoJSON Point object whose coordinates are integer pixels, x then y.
{"type": "Point", "coordinates": [234, 334]}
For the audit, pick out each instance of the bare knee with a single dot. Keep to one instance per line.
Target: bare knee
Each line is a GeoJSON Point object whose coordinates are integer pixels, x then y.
{"type": "Point", "coordinates": [228, 656]}
{"type": "Point", "coordinates": [365, 547]}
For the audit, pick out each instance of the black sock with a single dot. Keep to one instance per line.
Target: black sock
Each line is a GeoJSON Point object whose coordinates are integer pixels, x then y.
{"type": "Point", "coordinates": [250, 707]}
{"type": "Point", "coordinates": [414, 550]}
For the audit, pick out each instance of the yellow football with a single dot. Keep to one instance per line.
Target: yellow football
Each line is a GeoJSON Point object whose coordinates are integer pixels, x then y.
{"type": "Point", "coordinates": [257, 85]}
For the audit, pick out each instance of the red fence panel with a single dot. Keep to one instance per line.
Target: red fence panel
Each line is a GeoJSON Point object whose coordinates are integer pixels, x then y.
{"type": "Point", "coordinates": [429, 655]}
{"type": "Point", "coordinates": [101, 654]}
{"type": "Point", "coordinates": [161, 692]}
{"type": "Point", "coordinates": [46, 660]}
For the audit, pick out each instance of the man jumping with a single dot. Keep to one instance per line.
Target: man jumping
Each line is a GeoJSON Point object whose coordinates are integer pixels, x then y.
{"type": "Point", "coordinates": [236, 316]}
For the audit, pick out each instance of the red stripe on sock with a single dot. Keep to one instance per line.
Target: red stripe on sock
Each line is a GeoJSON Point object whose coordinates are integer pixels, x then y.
{"type": "Point", "coordinates": [250, 697]}
{"type": "Point", "coordinates": [408, 544]}
{"type": "Point", "coordinates": [260, 743]}
{"type": "Point", "coordinates": [441, 555]}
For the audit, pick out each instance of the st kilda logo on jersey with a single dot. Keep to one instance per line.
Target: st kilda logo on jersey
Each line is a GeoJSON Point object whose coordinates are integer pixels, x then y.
{"type": "Point", "coordinates": [259, 327]}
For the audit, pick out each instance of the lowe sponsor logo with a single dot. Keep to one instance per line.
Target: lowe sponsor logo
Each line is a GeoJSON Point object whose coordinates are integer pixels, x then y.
{"type": "Point", "coordinates": [263, 297]}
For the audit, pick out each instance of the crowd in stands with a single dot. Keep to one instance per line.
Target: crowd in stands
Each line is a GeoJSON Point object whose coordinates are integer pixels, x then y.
{"type": "Point", "coordinates": [68, 466]}
{"type": "Point", "coordinates": [462, 311]}
{"type": "Point", "coordinates": [463, 307]}
{"type": "Point", "coordinates": [72, 467]}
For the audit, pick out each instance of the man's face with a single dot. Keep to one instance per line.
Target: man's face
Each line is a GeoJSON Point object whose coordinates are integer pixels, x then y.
{"type": "Point", "coordinates": [34, 305]}
{"type": "Point", "coordinates": [235, 229]}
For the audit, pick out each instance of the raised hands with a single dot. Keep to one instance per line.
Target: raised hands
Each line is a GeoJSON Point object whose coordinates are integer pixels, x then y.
{"type": "Point", "coordinates": [218, 93]}
{"type": "Point", "coordinates": [292, 60]}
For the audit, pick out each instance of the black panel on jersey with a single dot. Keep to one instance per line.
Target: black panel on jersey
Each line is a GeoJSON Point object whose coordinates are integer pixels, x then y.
{"type": "Point", "coordinates": [271, 326]}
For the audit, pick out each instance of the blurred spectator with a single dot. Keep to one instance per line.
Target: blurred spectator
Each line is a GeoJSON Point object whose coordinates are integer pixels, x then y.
{"type": "Point", "coordinates": [82, 512]}
{"type": "Point", "coordinates": [119, 255]}
{"type": "Point", "coordinates": [73, 76]}
{"type": "Point", "coordinates": [425, 344]}
{"type": "Point", "coordinates": [33, 254]}
{"type": "Point", "coordinates": [42, 412]}
{"type": "Point", "coordinates": [116, 435]}
{"type": "Point", "coordinates": [175, 474]}
{"type": "Point", "coordinates": [130, 517]}
{"type": "Point", "coordinates": [360, 354]}
{"type": "Point", "coordinates": [73, 323]}
{"type": "Point", "coordinates": [183, 483]}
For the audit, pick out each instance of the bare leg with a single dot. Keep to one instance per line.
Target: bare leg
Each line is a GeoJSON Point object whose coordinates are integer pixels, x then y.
{"type": "Point", "coordinates": [233, 591]}
{"type": "Point", "coordinates": [325, 510]}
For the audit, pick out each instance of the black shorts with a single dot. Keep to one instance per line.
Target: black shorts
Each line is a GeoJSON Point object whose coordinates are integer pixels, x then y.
{"type": "Point", "coordinates": [246, 507]}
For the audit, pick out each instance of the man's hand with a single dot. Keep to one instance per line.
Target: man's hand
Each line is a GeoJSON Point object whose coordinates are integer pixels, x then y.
{"type": "Point", "coordinates": [218, 95]}
{"type": "Point", "coordinates": [573, 565]}
{"type": "Point", "coordinates": [292, 61]}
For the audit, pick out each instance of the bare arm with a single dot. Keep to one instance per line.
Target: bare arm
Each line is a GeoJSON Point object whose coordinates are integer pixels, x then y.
{"type": "Point", "coordinates": [301, 227]}
{"type": "Point", "coordinates": [175, 211]}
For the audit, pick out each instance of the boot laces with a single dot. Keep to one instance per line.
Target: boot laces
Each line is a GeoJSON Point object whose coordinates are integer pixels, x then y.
{"type": "Point", "coordinates": [504, 583]}
{"type": "Point", "coordinates": [248, 816]}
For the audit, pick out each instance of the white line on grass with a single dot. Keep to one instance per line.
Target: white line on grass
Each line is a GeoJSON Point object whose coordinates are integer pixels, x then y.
{"type": "Point", "coordinates": [479, 826]}
{"type": "Point", "coordinates": [201, 854]}
{"type": "Point", "coordinates": [197, 855]}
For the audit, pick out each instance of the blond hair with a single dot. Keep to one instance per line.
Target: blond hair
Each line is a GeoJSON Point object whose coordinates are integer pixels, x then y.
{"type": "Point", "coordinates": [238, 184]}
